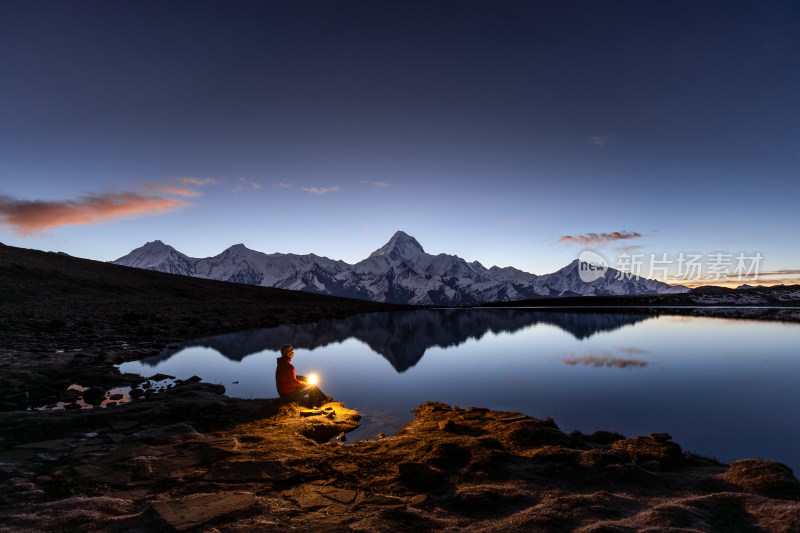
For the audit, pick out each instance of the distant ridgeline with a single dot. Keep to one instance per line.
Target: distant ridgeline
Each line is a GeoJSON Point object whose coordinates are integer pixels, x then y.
{"type": "Point", "coordinates": [398, 272]}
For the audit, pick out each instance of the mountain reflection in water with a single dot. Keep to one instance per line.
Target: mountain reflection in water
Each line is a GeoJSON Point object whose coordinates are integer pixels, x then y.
{"type": "Point", "coordinates": [402, 337]}
{"type": "Point", "coordinates": [720, 387]}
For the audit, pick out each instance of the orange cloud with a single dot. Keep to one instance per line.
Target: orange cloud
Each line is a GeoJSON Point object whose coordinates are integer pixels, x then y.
{"type": "Point", "coordinates": [604, 359]}
{"type": "Point", "coordinates": [31, 217]}
{"type": "Point", "coordinates": [631, 350]}
{"type": "Point", "coordinates": [599, 238]}
{"type": "Point", "coordinates": [180, 191]}
{"type": "Point", "coordinates": [766, 278]}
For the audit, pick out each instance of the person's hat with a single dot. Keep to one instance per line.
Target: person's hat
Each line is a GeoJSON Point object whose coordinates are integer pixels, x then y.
{"type": "Point", "coordinates": [286, 349]}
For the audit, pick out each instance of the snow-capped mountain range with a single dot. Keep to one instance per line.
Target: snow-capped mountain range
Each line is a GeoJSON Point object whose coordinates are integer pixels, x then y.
{"type": "Point", "coordinates": [398, 272]}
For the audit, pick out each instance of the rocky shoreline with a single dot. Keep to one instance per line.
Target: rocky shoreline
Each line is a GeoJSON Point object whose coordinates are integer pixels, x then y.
{"type": "Point", "coordinates": [188, 458]}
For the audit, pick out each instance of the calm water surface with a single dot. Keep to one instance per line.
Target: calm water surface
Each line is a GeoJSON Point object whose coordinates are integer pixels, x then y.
{"type": "Point", "coordinates": [721, 387]}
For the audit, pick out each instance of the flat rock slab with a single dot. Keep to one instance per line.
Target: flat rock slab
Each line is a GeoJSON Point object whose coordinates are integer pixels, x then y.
{"type": "Point", "coordinates": [103, 473]}
{"type": "Point", "coordinates": [16, 456]}
{"type": "Point", "coordinates": [192, 511]}
{"type": "Point", "coordinates": [56, 444]}
{"type": "Point", "coordinates": [251, 471]}
{"type": "Point", "coordinates": [313, 496]}
{"type": "Point", "coordinates": [122, 426]}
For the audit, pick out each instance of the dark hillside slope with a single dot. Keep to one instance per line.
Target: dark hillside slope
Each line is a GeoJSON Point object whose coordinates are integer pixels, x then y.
{"type": "Point", "coordinates": [75, 302]}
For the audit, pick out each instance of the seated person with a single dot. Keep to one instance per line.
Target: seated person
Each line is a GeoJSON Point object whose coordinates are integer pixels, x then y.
{"type": "Point", "coordinates": [294, 388]}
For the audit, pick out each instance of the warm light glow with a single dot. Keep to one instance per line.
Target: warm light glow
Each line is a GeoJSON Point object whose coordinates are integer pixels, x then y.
{"type": "Point", "coordinates": [312, 380]}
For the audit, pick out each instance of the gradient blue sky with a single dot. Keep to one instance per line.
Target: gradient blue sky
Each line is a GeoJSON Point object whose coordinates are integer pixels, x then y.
{"type": "Point", "coordinates": [489, 130]}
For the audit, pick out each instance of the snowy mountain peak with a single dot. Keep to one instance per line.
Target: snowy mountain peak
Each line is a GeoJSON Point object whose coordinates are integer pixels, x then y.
{"type": "Point", "coordinates": [401, 246]}
{"type": "Point", "coordinates": [156, 255]}
{"type": "Point", "coordinates": [398, 272]}
{"type": "Point", "coordinates": [154, 245]}
{"type": "Point", "coordinates": [154, 248]}
{"type": "Point", "coordinates": [237, 249]}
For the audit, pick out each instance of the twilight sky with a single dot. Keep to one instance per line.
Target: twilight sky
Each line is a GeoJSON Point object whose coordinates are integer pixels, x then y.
{"type": "Point", "coordinates": [512, 133]}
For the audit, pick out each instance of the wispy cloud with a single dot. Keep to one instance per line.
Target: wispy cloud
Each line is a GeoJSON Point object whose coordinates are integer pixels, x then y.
{"type": "Point", "coordinates": [244, 183]}
{"type": "Point", "coordinates": [630, 350]}
{"type": "Point", "coordinates": [197, 182]}
{"type": "Point", "coordinates": [184, 189]}
{"type": "Point", "coordinates": [600, 140]}
{"type": "Point", "coordinates": [320, 191]}
{"type": "Point", "coordinates": [180, 191]}
{"type": "Point", "coordinates": [34, 217]}
{"type": "Point", "coordinates": [511, 221]}
{"type": "Point", "coordinates": [282, 185]}
{"type": "Point", "coordinates": [774, 277]}
{"type": "Point", "coordinates": [599, 238]}
{"type": "Point", "coordinates": [628, 248]}
{"type": "Point", "coordinates": [604, 359]}
{"type": "Point", "coordinates": [377, 184]}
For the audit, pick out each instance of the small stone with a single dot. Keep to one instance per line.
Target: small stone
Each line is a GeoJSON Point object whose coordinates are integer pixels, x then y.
{"type": "Point", "coordinates": [381, 436]}
{"type": "Point", "coordinates": [94, 395]}
{"type": "Point", "coordinates": [341, 437]}
{"type": "Point", "coordinates": [660, 437]}
{"type": "Point", "coordinates": [419, 499]}
{"type": "Point", "coordinates": [310, 412]}
{"type": "Point", "coordinates": [115, 397]}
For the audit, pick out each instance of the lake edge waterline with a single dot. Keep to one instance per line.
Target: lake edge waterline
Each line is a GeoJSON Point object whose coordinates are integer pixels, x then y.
{"type": "Point", "coordinates": [559, 415]}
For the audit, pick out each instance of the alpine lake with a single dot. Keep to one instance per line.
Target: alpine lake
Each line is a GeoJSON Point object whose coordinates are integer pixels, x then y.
{"type": "Point", "coordinates": [723, 388]}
